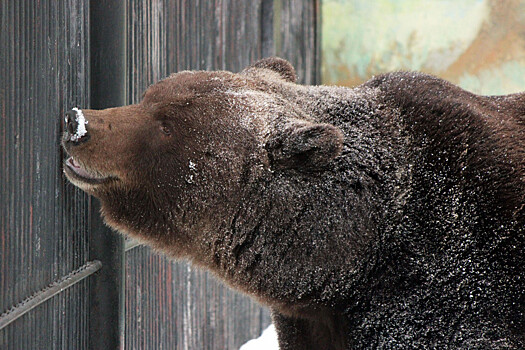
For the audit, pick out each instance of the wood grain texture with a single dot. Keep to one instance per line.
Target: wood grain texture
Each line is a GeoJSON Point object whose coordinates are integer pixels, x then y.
{"type": "Point", "coordinates": [45, 222]}
{"type": "Point", "coordinates": [173, 306]}
{"type": "Point", "coordinates": [297, 37]}
{"type": "Point", "coordinates": [44, 71]}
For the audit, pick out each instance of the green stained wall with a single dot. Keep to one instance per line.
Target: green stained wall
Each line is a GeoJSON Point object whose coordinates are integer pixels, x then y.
{"type": "Point", "coordinates": [478, 44]}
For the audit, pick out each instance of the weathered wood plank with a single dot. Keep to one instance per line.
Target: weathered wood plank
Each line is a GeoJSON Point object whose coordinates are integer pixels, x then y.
{"type": "Point", "coordinates": [44, 71]}
{"type": "Point", "coordinates": [297, 36]}
{"type": "Point", "coordinates": [45, 222]}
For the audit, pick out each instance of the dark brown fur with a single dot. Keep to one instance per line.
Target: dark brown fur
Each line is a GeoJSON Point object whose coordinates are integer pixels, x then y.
{"type": "Point", "coordinates": [390, 215]}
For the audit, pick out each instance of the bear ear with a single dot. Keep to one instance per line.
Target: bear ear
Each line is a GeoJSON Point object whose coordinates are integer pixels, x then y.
{"type": "Point", "coordinates": [279, 65]}
{"type": "Point", "coordinates": [304, 146]}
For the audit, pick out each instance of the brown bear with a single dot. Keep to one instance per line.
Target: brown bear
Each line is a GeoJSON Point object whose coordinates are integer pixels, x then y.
{"type": "Point", "coordinates": [389, 215]}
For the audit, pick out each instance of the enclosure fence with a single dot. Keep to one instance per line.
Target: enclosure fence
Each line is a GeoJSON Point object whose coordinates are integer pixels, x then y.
{"type": "Point", "coordinates": [67, 281]}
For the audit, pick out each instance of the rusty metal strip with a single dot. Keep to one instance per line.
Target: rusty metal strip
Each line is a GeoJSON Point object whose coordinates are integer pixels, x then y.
{"type": "Point", "coordinates": [50, 291]}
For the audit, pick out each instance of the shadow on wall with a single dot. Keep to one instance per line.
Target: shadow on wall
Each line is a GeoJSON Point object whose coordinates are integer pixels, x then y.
{"type": "Point", "coordinates": [477, 44]}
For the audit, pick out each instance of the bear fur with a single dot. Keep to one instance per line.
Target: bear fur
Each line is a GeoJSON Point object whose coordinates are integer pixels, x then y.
{"type": "Point", "coordinates": [389, 215]}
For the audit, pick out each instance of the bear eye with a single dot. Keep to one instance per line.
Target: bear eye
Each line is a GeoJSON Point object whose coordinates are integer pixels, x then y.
{"type": "Point", "coordinates": [166, 130]}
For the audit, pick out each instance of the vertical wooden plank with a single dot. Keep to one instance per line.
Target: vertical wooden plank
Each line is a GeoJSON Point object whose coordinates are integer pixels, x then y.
{"type": "Point", "coordinates": [217, 34]}
{"type": "Point", "coordinates": [44, 222]}
{"type": "Point", "coordinates": [109, 89]}
{"type": "Point", "coordinates": [268, 44]}
{"type": "Point", "coordinates": [172, 305]}
{"type": "Point", "coordinates": [297, 36]}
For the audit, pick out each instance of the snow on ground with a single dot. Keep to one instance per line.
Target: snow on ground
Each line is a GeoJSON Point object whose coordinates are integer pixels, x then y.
{"type": "Point", "coordinates": [267, 341]}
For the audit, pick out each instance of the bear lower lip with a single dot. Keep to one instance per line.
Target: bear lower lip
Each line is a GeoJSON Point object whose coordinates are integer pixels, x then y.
{"type": "Point", "coordinates": [74, 169]}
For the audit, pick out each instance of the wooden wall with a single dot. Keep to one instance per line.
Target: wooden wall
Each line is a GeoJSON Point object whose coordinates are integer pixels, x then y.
{"type": "Point", "coordinates": [52, 276]}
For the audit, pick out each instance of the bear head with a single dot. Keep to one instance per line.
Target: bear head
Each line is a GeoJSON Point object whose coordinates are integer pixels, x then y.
{"type": "Point", "coordinates": [180, 162]}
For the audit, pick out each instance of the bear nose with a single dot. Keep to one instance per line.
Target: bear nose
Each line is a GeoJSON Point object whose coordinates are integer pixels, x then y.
{"type": "Point", "coordinates": [75, 124]}
{"type": "Point", "coordinates": [71, 122]}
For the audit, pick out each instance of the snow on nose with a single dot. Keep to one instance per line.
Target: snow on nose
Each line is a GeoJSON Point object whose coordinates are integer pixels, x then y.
{"type": "Point", "coordinates": [75, 124]}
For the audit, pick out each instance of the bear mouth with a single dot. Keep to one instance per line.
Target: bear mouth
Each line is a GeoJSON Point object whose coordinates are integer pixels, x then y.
{"type": "Point", "coordinates": [74, 171]}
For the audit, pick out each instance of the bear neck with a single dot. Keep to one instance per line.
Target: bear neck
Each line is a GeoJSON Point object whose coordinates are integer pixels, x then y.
{"type": "Point", "coordinates": [147, 219]}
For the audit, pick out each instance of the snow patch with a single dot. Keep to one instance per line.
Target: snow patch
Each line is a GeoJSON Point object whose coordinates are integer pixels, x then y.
{"type": "Point", "coordinates": [190, 177]}
{"type": "Point", "coordinates": [81, 125]}
{"type": "Point", "coordinates": [267, 341]}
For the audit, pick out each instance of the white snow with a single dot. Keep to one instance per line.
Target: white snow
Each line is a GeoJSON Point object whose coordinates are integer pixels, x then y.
{"type": "Point", "coordinates": [267, 341]}
{"type": "Point", "coordinates": [81, 128]}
